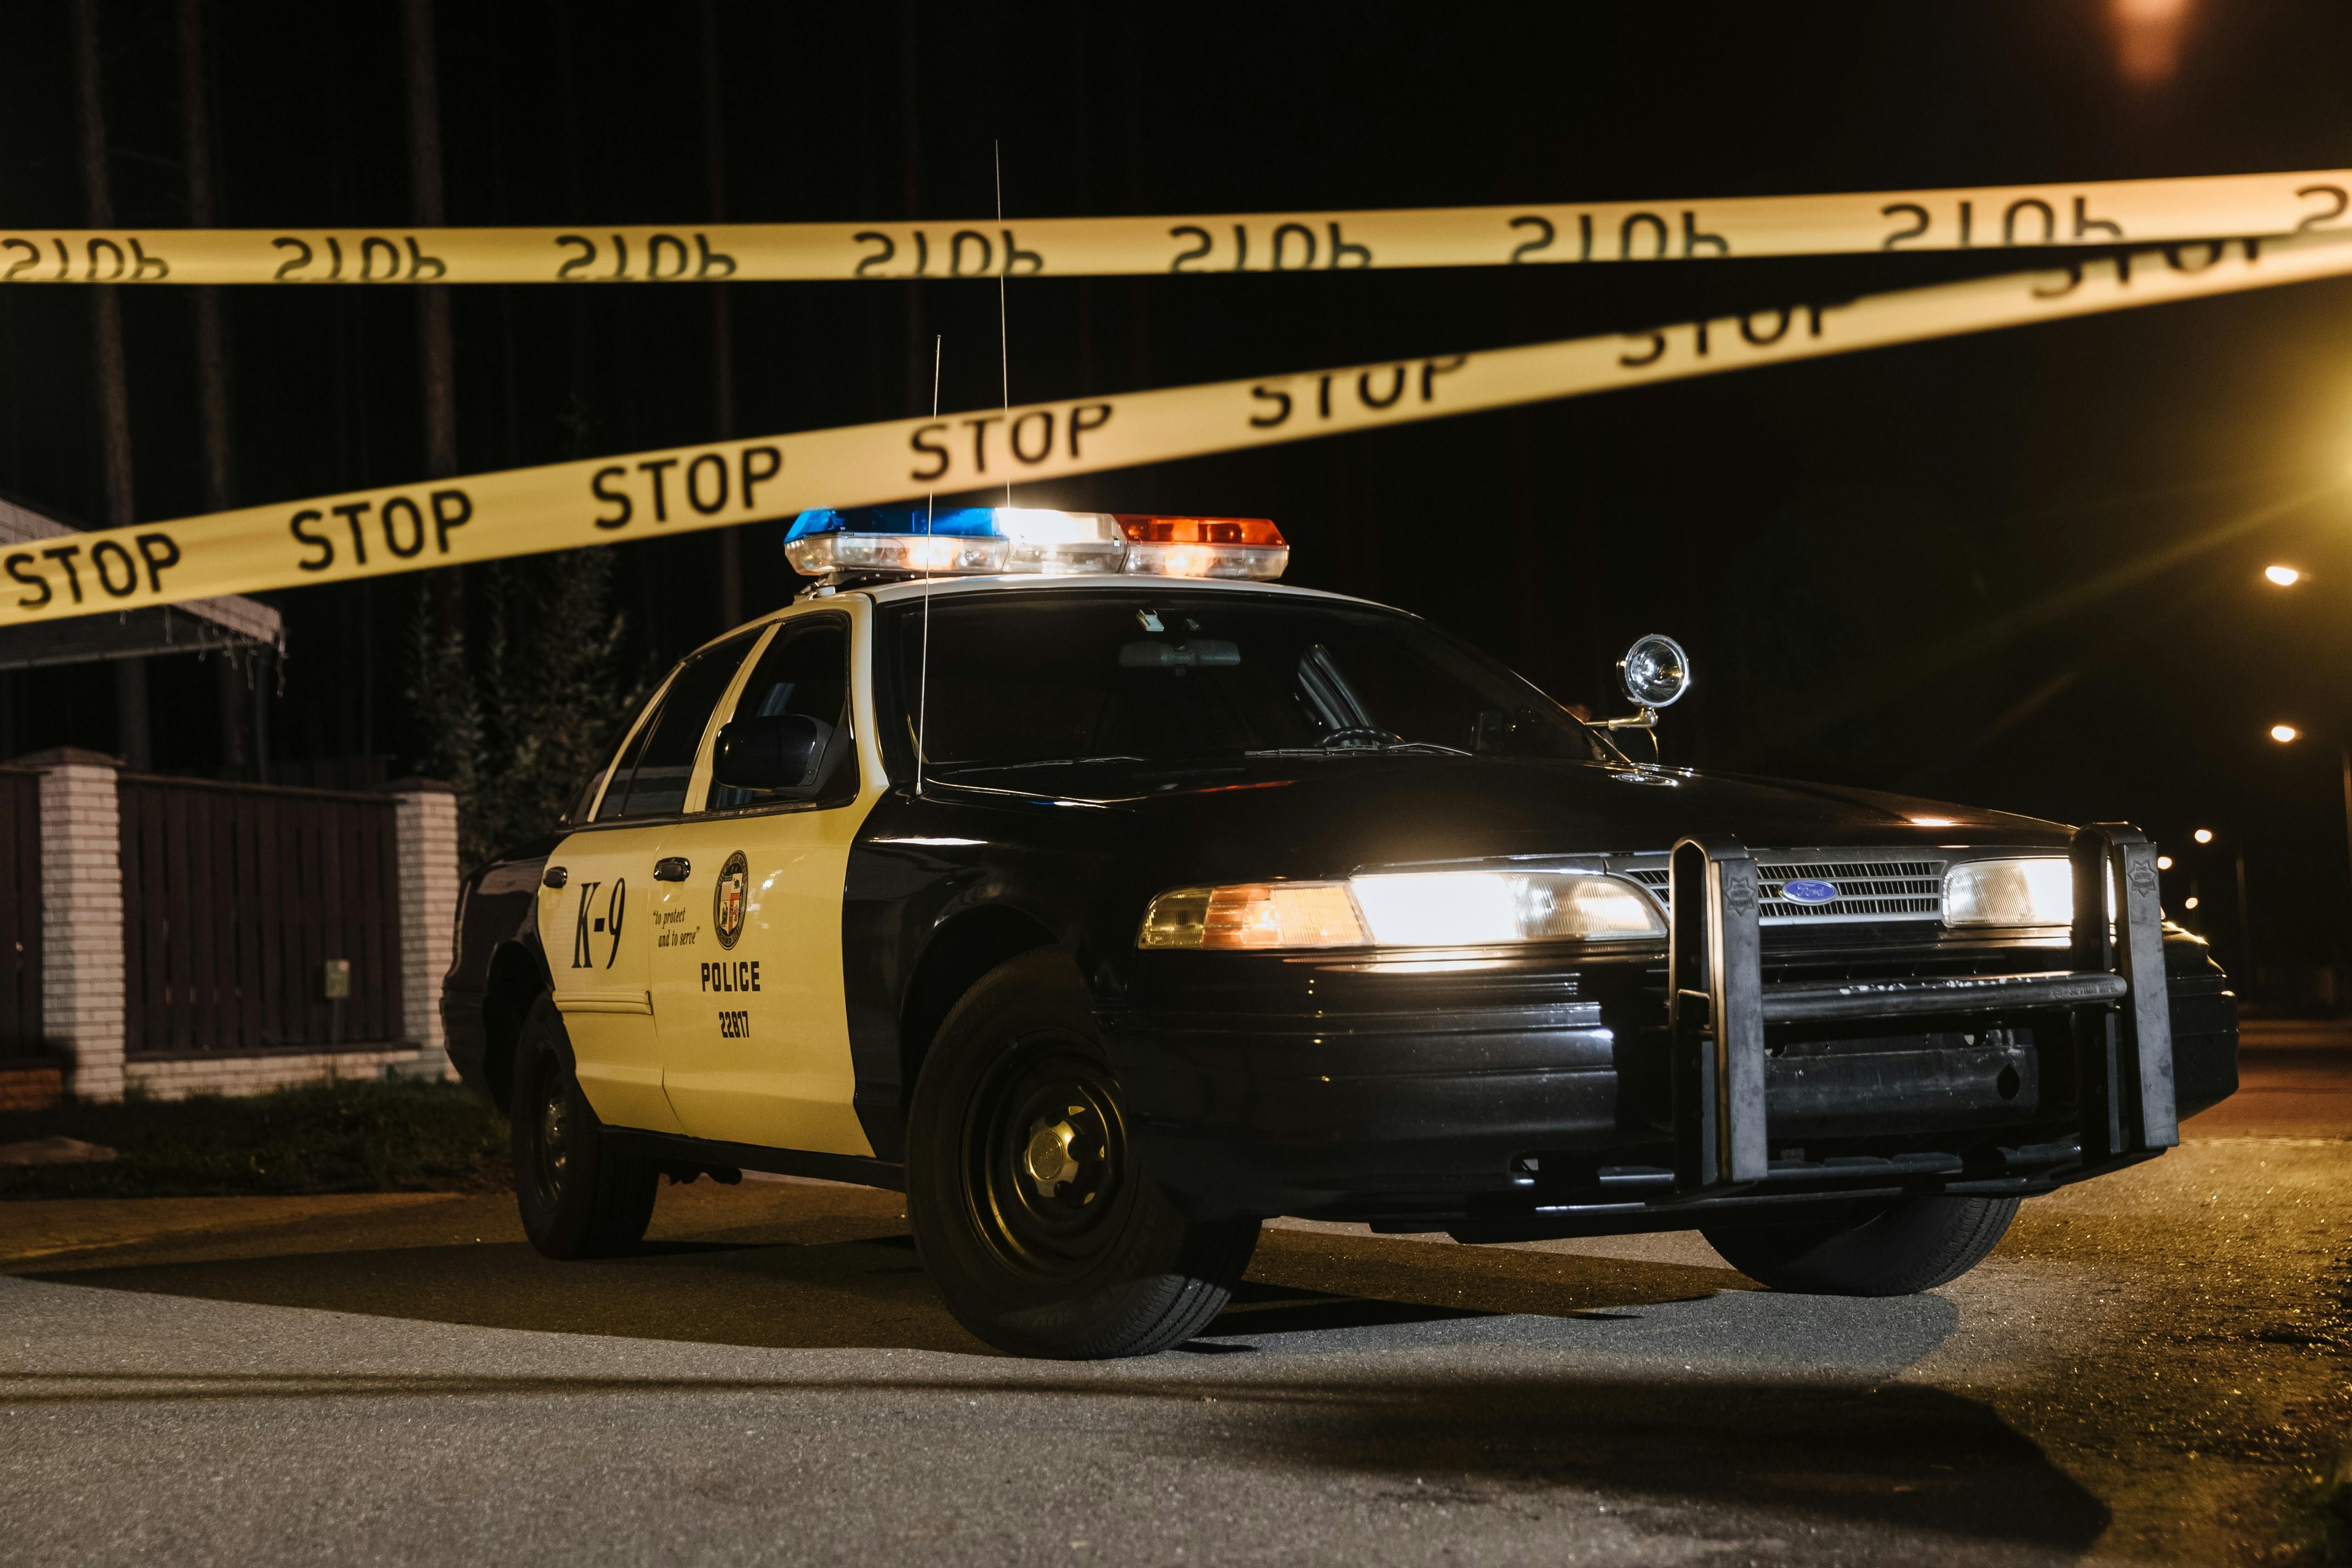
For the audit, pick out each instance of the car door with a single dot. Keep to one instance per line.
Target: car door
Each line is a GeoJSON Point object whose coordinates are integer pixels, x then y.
{"type": "Point", "coordinates": [748, 978]}
{"type": "Point", "coordinates": [596, 926]}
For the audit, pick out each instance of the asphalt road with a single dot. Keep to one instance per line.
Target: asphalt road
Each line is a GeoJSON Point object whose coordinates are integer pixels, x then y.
{"type": "Point", "coordinates": [2151, 1368]}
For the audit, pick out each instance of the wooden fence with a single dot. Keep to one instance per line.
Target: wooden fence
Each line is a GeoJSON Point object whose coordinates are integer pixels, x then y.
{"type": "Point", "coordinates": [20, 914]}
{"type": "Point", "coordinates": [235, 899]}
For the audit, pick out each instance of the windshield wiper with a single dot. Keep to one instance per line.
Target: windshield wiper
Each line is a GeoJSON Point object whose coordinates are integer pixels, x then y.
{"type": "Point", "coordinates": [1391, 748]}
{"type": "Point", "coordinates": [1030, 762]}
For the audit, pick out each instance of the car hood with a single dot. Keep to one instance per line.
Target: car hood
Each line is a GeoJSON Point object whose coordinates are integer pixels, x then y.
{"type": "Point", "coordinates": [1309, 816]}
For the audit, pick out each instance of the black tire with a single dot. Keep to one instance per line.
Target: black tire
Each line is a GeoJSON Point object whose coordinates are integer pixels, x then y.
{"type": "Point", "coordinates": [1899, 1248]}
{"type": "Point", "coordinates": [1028, 1208]}
{"type": "Point", "coordinates": [580, 1197]}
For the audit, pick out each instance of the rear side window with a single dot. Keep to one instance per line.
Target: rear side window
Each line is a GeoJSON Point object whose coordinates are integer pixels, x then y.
{"type": "Point", "coordinates": [650, 780]}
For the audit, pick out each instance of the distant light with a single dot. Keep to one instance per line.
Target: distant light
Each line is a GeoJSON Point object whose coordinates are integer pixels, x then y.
{"type": "Point", "coordinates": [2189, 902]}
{"type": "Point", "coordinates": [2204, 835]}
{"type": "Point", "coordinates": [2148, 36]}
{"type": "Point", "coordinates": [2164, 862]}
{"type": "Point", "coordinates": [2283, 733]}
{"type": "Point", "coordinates": [1935, 822]}
{"type": "Point", "coordinates": [2285, 576]}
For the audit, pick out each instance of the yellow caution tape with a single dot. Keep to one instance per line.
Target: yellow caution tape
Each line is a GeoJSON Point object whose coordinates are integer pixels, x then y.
{"type": "Point", "coordinates": [564, 506]}
{"type": "Point", "coordinates": [2108, 212]}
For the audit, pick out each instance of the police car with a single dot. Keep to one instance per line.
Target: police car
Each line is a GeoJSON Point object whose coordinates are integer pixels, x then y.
{"type": "Point", "coordinates": [1070, 874]}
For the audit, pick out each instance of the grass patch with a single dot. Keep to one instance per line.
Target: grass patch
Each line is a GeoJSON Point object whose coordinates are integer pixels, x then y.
{"type": "Point", "coordinates": [354, 1135]}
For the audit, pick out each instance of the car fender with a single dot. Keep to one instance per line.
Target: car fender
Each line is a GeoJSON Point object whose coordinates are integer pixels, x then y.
{"type": "Point", "coordinates": [496, 969]}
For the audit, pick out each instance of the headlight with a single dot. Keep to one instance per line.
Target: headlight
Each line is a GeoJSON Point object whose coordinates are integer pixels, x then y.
{"type": "Point", "coordinates": [2009, 893]}
{"type": "Point", "coordinates": [1422, 909]}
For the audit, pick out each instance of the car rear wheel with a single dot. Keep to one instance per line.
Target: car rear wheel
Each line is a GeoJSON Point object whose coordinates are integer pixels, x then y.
{"type": "Point", "coordinates": [580, 1197]}
{"type": "Point", "coordinates": [1039, 1230]}
{"type": "Point", "coordinates": [1899, 1248]}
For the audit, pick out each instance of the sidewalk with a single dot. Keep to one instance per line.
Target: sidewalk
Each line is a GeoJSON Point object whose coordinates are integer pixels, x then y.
{"type": "Point", "coordinates": [53, 1230]}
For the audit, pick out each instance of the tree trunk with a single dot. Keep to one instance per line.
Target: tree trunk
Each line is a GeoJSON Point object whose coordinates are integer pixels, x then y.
{"type": "Point", "coordinates": [436, 352]}
{"type": "Point", "coordinates": [723, 309]}
{"type": "Point", "coordinates": [920, 360]}
{"type": "Point", "coordinates": [212, 358]}
{"type": "Point", "coordinates": [133, 734]}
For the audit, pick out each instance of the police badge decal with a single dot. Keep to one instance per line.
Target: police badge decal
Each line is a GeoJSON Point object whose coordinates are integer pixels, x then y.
{"type": "Point", "coordinates": [727, 898]}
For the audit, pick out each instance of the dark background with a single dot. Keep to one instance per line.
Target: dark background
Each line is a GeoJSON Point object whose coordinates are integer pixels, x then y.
{"type": "Point", "coordinates": [1921, 567]}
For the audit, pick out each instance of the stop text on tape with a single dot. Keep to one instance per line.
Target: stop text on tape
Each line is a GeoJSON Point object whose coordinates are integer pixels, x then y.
{"type": "Point", "coordinates": [2100, 213]}
{"type": "Point", "coordinates": [524, 511]}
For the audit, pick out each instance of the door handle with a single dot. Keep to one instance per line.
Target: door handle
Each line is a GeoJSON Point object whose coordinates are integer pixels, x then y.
{"type": "Point", "coordinates": [673, 868]}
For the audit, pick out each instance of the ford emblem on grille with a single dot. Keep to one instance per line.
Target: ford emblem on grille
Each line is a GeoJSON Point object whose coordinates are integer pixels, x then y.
{"type": "Point", "coordinates": [1807, 891]}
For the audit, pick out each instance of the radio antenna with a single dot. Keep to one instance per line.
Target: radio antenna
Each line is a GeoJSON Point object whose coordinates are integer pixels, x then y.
{"type": "Point", "coordinates": [1004, 330]}
{"type": "Point", "coordinates": [923, 681]}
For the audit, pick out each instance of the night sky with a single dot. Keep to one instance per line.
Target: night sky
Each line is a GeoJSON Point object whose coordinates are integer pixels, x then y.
{"type": "Point", "coordinates": [1921, 567]}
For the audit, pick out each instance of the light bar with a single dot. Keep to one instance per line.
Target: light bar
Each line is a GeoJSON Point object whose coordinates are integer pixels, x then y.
{"type": "Point", "coordinates": [1204, 547]}
{"type": "Point", "coordinates": [972, 541]}
{"type": "Point", "coordinates": [947, 555]}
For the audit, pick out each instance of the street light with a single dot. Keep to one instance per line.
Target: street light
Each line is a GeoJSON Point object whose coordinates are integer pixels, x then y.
{"type": "Point", "coordinates": [2245, 904]}
{"type": "Point", "coordinates": [2285, 576]}
{"type": "Point", "coordinates": [2286, 734]}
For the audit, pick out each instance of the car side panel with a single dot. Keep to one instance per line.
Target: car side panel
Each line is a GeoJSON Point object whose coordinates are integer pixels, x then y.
{"type": "Point", "coordinates": [770, 1066]}
{"type": "Point", "coordinates": [755, 1043]}
{"type": "Point", "coordinates": [596, 931]}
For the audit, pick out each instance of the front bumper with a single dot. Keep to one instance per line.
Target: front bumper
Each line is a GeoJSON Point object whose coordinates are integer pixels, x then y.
{"type": "Point", "coordinates": [1350, 1114]}
{"type": "Point", "coordinates": [1514, 1098]}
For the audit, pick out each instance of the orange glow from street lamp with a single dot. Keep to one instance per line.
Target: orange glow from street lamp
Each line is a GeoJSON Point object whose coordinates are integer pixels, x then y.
{"type": "Point", "coordinates": [2148, 37]}
{"type": "Point", "coordinates": [2164, 862]}
{"type": "Point", "coordinates": [2285, 576]}
{"type": "Point", "coordinates": [2188, 902]}
{"type": "Point", "coordinates": [2204, 835]}
{"type": "Point", "coordinates": [2283, 733]}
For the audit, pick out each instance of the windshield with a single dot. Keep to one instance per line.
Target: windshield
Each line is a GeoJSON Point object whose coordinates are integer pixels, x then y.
{"type": "Point", "coordinates": [1156, 675]}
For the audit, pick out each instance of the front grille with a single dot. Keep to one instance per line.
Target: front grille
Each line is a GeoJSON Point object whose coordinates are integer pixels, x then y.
{"type": "Point", "coordinates": [1867, 889]}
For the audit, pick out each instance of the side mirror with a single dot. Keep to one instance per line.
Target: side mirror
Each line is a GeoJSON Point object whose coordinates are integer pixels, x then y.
{"type": "Point", "coordinates": [782, 752]}
{"type": "Point", "coordinates": [1655, 672]}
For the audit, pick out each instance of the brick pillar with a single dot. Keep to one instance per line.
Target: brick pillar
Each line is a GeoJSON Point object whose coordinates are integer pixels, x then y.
{"type": "Point", "coordinates": [426, 825]}
{"type": "Point", "coordinates": [81, 917]}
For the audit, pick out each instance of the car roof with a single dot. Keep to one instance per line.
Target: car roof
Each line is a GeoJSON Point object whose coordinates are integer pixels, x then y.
{"type": "Point", "coordinates": [939, 587]}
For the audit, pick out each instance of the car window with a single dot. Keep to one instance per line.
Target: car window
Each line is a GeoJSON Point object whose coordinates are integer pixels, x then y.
{"type": "Point", "coordinates": [803, 672]}
{"type": "Point", "coordinates": [1023, 677]}
{"type": "Point", "coordinates": [651, 780]}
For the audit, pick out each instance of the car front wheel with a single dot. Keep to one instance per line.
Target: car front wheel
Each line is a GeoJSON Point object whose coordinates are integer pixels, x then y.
{"type": "Point", "coordinates": [1041, 1233]}
{"type": "Point", "coordinates": [1897, 1249]}
{"type": "Point", "coordinates": [580, 1197]}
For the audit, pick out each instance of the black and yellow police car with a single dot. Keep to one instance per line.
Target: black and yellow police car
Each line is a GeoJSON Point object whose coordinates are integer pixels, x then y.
{"type": "Point", "coordinates": [1073, 875]}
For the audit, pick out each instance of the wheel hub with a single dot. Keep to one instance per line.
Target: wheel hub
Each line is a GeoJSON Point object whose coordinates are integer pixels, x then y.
{"type": "Point", "coordinates": [1048, 1161]}
{"type": "Point", "coordinates": [552, 1144]}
